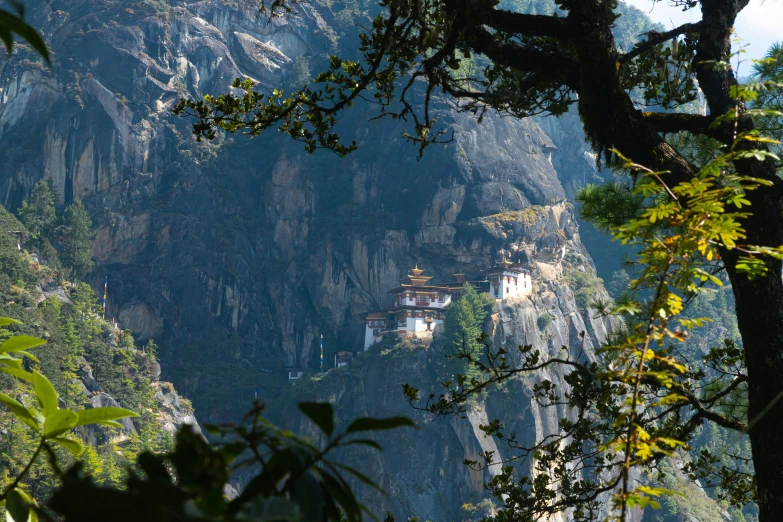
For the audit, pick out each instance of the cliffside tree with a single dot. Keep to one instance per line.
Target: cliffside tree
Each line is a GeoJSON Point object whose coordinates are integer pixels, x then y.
{"type": "Point", "coordinates": [76, 239]}
{"type": "Point", "coordinates": [40, 219]}
{"type": "Point", "coordinates": [538, 63]}
{"type": "Point", "coordinates": [463, 323]}
{"type": "Point", "coordinates": [38, 214]}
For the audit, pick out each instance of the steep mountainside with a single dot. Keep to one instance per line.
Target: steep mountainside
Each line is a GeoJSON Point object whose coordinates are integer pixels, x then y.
{"type": "Point", "coordinates": [90, 362]}
{"type": "Point", "coordinates": [423, 469]}
{"type": "Point", "coordinates": [236, 255]}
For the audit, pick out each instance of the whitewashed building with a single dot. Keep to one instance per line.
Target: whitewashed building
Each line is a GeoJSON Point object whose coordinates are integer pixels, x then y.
{"type": "Point", "coordinates": [509, 280]}
{"type": "Point", "coordinates": [418, 308]}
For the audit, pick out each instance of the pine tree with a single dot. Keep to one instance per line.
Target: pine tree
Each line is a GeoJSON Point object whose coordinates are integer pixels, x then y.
{"type": "Point", "coordinates": [76, 240]}
{"type": "Point", "coordinates": [463, 324]}
{"type": "Point", "coordinates": [93, 464]}
{"type": "Point", "coordinates": [38, 214]}
{"type": "Point", "coordinates": [619, 283]}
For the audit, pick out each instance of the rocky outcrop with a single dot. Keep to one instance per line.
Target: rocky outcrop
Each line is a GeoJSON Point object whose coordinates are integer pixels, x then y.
{"type": "Point", "coordinates": [172, 413]}
{"type": "Point", "coordinates": [422, 469]}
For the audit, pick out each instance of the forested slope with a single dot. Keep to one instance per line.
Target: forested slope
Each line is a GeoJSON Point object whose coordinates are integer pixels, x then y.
{"type": "Point", "coordinates": [90, 363]}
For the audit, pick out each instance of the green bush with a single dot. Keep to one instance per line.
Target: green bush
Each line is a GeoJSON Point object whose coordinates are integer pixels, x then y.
{"type": "Point", "coordinates": [544, 320]}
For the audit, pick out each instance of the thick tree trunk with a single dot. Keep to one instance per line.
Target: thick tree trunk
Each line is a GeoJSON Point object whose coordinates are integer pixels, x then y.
{"type": "Point", "coordinates": [759, 303]}
{"type": "Point", "coordinates": [611, 121]}
{"type": "Point", "coordinates": [760, 317]}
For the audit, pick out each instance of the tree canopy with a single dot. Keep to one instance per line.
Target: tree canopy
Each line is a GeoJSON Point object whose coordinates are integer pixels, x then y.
{"type": "Point", "coordinates": [76, 239]}
{"type": "Point", "coordinates": [38, 213]}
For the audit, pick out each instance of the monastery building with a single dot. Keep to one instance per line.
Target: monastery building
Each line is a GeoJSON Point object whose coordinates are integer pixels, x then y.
{"type": "Point", "coordinates": [418, 306]}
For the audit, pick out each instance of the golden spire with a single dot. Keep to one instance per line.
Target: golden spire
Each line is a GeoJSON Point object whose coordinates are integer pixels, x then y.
{"type": "Point", "coordinates": [505, 263]}
{"type": "Point", "coordinates": [415, 278]}
{"type": "Point", "coordinates": [416, 272]}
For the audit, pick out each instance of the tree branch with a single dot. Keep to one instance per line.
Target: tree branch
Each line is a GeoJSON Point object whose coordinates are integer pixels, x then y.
{"type": "Point", "coordinates": [548, 64]}
{"type": "Point", "coordinates": [667, 122]}
{"type": "Point", "coordinates": [655, 38]}
{"type": "Point", "coordinates": [710, 415]}
{"type": "Point", "coordinates": [525, 24]}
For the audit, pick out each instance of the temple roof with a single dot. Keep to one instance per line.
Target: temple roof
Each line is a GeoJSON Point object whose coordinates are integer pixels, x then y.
{"type": "Point", "coordinates": [422, 289]}
{"type": "Point", "coordinates": [411, 308]}
{"type": "Point", "coordinates": [505, 265]}
{"type": "Point", "coordinates": [415, 278]}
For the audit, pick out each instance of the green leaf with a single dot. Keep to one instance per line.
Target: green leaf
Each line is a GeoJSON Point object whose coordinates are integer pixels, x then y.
{"type": "Point", "coordinates": [371, 424]}
{"type": "Point", "coordinates": [45, 393]}
{"type": "Point", "coordinates": [10, 23]}
{"type": "Point", "coordinates": [18, 409]}
{"type": "Point", "coordinates": [5, 321]}
{"type": "Point", "coordinates": [27, 498]}
{"type": "Point", "coordinates": [19, 343]}
{"type": "Point", "coordinates": [17, 507]}
{"type": "Point", "coordinates": [13, 362]}
{"type": "Point", "coordinates": [58, 422]}
{"type": "Point", "coordinates": [321, 413]}
{"type": "Point", "coordinates": [18, 373]}
{"type": "Point", "coordinates": [73, 446]}
{"type": "Point", "coordinates": [364, 442]}
{"type": "Point", "coordinates": [28, 355]}
{"type": "Point", "coordinates": [103, 416]}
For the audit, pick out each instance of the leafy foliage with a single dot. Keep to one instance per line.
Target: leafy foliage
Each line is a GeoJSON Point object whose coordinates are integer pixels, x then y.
{"type": "Point", "coordinates": [67, 238]}
{"type": "Point", "coordinates": [768, 77]}
{"type": "Point", "coordinates": [50, 425]}
{"type": "Point", "coordinates": [295, 479]}
{"type": "Point", "coordinates": [12, 24]}
{"type": "Point", "coordinates": [76, 239]}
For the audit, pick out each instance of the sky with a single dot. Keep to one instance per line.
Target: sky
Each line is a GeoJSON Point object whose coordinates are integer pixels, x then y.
{"type": "Point", "coordinates": [758, 25]}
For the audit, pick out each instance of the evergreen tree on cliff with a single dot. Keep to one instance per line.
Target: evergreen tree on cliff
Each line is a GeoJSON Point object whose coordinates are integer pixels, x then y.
{"type": "Point", "coordinates": [38, 214]}
{"type": "Point", "coordinates": [544, 64]}
{"type": "Point", "coordinates": [464, 321]}
{"type": "Point", "coordinates": [76, 240]}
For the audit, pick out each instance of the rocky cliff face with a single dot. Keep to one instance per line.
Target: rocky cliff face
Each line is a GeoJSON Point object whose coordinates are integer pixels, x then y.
{"type": "Point", "coordinates": [236, 255]}
{"type": "Point", "coordinates": [423, 469]}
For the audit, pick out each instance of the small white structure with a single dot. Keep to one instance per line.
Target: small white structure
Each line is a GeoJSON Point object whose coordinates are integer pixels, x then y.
{"type": "Point", "coordinates": [342, 359]}
{"type": "Point", "coordinates": [509, 280]}
{"type": "Point", "coordinates": [374, 325]}
{"type": "Point", "coordinates": [294, 374]}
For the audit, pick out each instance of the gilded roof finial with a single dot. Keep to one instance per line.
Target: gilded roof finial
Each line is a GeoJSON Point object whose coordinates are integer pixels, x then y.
{"type": "Point", "coordinates": [416, 272]}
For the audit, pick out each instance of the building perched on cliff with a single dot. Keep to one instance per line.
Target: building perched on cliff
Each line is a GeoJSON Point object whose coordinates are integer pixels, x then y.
{"type": "Point", "coordinates": [508, 280]}
{"type": "Point", "coordinates": [418, 307]}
